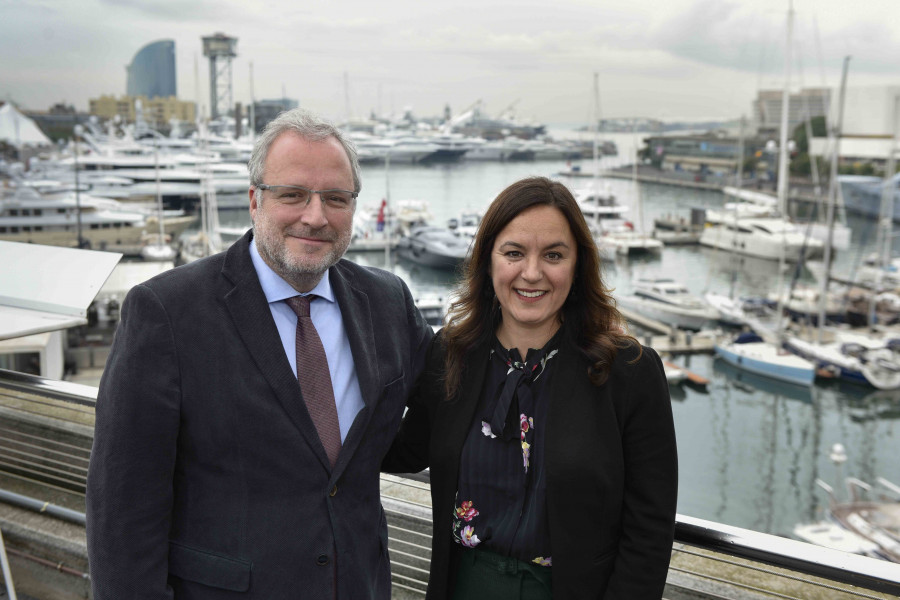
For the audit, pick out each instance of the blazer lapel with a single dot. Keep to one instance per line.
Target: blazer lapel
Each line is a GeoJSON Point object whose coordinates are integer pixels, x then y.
{"type": "Point", "coordinates": [356, 314]}
{"type": "Point", "coordinates": [252, 318]}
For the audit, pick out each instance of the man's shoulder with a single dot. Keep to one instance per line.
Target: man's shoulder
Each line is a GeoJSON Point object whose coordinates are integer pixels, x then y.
{"type": "Point", "coordinates": [190, 276]}
{"type": "Point", "coordinates": [367, 277]}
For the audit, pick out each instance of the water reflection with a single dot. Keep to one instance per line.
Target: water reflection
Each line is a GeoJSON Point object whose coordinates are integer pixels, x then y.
{"type": "Point", "coordinates": [751, 382]}
{"type": "Point", "coordinates": [751, 449]}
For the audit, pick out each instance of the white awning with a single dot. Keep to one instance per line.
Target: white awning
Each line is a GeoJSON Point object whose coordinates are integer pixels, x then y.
{"type": "Point", "coordinates": [44, 288]}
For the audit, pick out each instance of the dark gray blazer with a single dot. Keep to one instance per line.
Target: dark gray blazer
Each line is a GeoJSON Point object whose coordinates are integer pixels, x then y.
{"type": "Point", "coordinates": [207, 478]}
{"type": "Point", "coordinates": [611, 464]}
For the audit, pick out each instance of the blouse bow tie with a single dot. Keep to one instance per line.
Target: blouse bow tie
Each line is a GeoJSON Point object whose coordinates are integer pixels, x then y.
{"type": "Point", "coordinates": [516, 389]}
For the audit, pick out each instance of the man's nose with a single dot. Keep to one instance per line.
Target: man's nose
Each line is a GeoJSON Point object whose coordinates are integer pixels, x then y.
{"type": "Point", "coordinates": [314, 212]}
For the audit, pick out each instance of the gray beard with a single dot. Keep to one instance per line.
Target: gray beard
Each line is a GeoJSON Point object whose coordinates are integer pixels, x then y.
{"type": "Point", "coordinates": [301, 274]}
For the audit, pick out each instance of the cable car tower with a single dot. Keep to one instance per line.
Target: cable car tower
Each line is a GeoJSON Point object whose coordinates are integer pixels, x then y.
{"type": "Point", "coordinates": [220, 49]}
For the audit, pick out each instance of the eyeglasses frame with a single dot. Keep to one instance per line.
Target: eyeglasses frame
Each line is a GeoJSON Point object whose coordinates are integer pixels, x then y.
{"type": "Point", "coordinates": [264, 187]}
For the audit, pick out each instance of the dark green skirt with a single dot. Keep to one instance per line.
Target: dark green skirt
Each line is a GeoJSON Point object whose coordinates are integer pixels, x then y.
{"type": "Point", "coordinates": [484, 574]}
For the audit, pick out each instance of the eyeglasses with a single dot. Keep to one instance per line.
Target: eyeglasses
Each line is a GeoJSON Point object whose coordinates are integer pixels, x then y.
{"type": "Point", "coordinates": [294, 195]}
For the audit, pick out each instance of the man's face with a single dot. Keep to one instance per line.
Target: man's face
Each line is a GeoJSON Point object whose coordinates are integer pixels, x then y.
{"type": "Point", "coordinates": [301, 241]}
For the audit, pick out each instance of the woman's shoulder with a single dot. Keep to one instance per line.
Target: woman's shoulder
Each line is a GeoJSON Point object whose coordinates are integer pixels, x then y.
{"type": "Point", "coordinates": [634, 359]}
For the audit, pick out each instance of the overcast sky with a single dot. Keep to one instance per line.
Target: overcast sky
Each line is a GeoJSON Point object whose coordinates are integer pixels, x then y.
{"type": "Point", "coordinates": [666, 59]}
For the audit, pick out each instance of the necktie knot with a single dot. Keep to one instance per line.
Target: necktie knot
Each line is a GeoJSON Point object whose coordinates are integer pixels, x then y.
{"type": "Point", "coordinates": [300, 304]}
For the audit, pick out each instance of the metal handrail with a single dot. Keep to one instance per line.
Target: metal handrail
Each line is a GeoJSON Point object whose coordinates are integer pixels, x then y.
{"type": "Point", "coordinates": [67, 391]}
{"type": "Point", "coordinates": [869, 573]}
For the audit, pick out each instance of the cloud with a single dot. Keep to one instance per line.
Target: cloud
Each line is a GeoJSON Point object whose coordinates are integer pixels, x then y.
{"type": "Point", "coordinates": [752, 38]}
{"type": "Point", "coordinates": [166, 10]}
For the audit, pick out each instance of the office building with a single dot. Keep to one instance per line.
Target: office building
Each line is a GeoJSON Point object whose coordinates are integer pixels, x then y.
{"type": "Point", "coordinates": [152, 71]}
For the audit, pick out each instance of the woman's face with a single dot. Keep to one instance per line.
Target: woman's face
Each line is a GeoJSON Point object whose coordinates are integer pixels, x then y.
{"type": "Point", "coordinates": [532, 268]}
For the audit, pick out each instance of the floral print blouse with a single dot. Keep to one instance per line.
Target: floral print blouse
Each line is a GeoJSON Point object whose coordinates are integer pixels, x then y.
{"type": "Point", "coordinates": [501, 495]}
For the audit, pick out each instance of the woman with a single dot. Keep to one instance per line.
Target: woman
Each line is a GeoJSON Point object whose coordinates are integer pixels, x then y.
{"type": "Point", "coordinates": [548, 431]}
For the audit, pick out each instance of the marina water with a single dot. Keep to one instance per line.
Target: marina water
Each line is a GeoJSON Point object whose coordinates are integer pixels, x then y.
{"type": "Point", "coordinates": [750, 449]}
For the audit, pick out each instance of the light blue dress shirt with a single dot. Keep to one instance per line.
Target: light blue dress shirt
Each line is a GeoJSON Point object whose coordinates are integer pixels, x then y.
{"type": "Point", "coordinates": [326, 316]}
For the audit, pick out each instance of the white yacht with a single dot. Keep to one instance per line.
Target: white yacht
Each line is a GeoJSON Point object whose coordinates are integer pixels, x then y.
{"type": "Point", "coordinates": [670, 302]}
{"type": "Point", "coordinates": [508, 149]}
{"type": "Point", "coordinates": [30, 218]}
{"type": "Point", "coordinates": [546, 150]}
{"type": "Point", "coordinates": [853, 357]}
{"type": "Point", "coordinates": [599, 203]}
{"type": "Point", "coordinates": [752, 204]}
{"type": "Point", "coordinates": [466, 225]}
{"type": "Point", "coordinates": [620, 237]}
{"type": "Point", "coordinates": [401, 149]}
{"type": "Point", "coordinates": [433, 247]}
{"type": "Point", "coordinates": [762, 238]}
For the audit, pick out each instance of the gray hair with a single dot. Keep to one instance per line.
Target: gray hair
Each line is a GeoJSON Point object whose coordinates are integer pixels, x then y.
{"type": "Point", "coordinates": [310, 127]}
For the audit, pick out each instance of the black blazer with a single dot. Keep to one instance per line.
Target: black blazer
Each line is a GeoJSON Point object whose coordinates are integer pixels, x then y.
{"type": "Point", "coordinates": [611, 463]}
{"type": "Point", "coordinates": [207, 478]}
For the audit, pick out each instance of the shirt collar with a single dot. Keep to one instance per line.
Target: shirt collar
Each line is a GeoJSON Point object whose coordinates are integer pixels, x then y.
{"type": "Point", "coordinates": [276, 288]}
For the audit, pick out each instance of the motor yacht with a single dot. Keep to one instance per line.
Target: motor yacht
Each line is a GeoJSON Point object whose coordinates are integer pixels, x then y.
{"type": "Point", "coordinates": [670, 302]}
{"type": "Point", "coordinates": [508, 149]}
{"type": "Point", "coordinates": [433, 247]}
{"type": "Point", "coordinates": [762, 238]}
{"type": "Point", "coordinates": [853, 357]}
{"type": "Point", "coordinates": [29, 217]}
{"type": "Point", "coordinates": [619, 237]}
{"type": "Point", "coordinates": [599, 203]}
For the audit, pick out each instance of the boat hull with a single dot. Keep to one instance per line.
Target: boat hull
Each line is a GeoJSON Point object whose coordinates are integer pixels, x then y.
{"type": "Point", "coordinates": [763, 359]}
{"type": "Point", "coordinates": [100, 238]}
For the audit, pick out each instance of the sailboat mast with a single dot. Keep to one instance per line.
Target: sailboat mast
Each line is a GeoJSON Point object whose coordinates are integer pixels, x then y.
{"type": "Point", "coordinates": [739, 176]}
{"type": "Point", "coordinates": [252, 124]}
{"type": "Point", "coordinates": [885, 240]}
{"type": "Point", "coordinates": [783, 174]}
{"type": "Point", "coordinates": [887, 192]}
{"type": "Point", "coordinates": [595, 125]}
{"type": "Point", "coordinates": [387, 206]}
{"type": "Point", "coordinates": [159, 202]}
{"type": "Point", "coordinates": [832, 198]}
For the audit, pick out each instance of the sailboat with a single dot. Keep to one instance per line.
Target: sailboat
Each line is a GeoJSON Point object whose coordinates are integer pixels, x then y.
{"type": "Point", "coordinates": [615, 235]}
{"type": "Point", "coordinates": [157, 248]}
{"type": "Point", "coordinates": [861, 358]}
{"type": "Point", "coordinates": [762, 352]}
{"type": "Point", "coordinates": [208, 240]}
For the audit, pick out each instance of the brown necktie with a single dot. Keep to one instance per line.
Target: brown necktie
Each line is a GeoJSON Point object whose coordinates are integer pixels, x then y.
{"type": "Point", "coordinates": [314, 378]}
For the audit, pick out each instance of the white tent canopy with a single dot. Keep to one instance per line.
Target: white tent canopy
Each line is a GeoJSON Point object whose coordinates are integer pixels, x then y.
{"type": "Point", "coordinates": [18, 130]}
{"type": "Point", "coordinates": [45, 288]}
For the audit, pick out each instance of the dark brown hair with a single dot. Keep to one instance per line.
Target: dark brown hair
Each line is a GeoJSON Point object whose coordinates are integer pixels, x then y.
{"type": "Point", "coordinates": [590, 309]}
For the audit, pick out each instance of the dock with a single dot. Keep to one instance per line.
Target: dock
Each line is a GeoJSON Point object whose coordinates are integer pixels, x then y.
{"type": "Point", "coordinates": [370, 245]}
{"type": "Point", "coordinates": [677, 238]}
{"type": "Point", "coordinates": [671, 340]}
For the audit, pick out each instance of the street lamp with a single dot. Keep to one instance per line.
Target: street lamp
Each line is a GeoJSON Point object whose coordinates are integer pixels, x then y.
{"type": "Point", "coordinates": [78, 131]}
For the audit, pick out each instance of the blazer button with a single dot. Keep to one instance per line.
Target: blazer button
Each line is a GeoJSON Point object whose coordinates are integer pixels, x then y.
{"type": "Point", "coordinates": [322, 560]}
{"type": "Point", "coordinates": [333, 491]}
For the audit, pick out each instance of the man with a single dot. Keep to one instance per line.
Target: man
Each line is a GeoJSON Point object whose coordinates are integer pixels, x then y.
{"type": "Point", "coordinates": [214, 472]}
